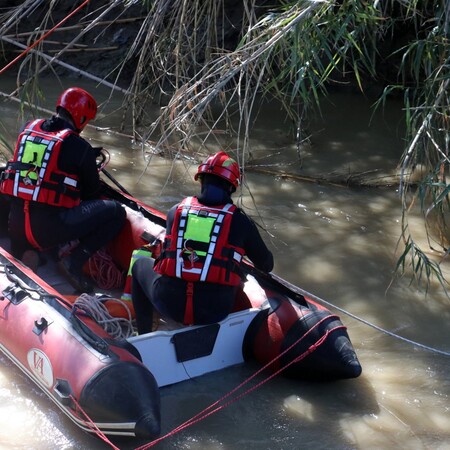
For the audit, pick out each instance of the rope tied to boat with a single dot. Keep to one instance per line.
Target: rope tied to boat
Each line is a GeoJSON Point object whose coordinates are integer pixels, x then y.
{"type": "Point", "coordinates": [220, 404]}
{"type": "Point", "coordinates": [299, 291]}
{"type": "Point", "coordinates": [91, 424]}
{"type": "Point", "coordinates": [117, 327]}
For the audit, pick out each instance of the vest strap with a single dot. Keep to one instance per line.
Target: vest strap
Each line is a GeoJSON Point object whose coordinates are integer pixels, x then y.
{"type": "Point", "coordinates": [189, 310]}
{"type": "Point", "coordinates": [28, 232]}
{"type": "Point", "coordinates": [18, 165]}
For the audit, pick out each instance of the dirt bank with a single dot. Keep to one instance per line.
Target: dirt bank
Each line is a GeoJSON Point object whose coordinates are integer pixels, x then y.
{"type": "Point", "coordinates": [99, 50]}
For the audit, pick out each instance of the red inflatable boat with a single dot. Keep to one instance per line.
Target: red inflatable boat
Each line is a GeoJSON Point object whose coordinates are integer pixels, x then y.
{"type": "Point", "coordinates": [112, 384]}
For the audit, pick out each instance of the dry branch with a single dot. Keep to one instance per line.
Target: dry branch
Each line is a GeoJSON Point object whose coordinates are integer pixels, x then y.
{"type": "Point", "coordinates": [357, 179]}
{"type": "Point", "coordinates": [91, 25]}
{"type": "Point", "coordinates": [75, 27]}
{"type": "Point", "coordinates": [63, 64]}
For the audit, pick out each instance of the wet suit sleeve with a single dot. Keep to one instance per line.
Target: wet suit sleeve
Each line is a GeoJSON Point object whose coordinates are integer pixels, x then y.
{"type": "Point", "coordinates": [170, 217]}
{"type": "Point", "coordinates": [89, 177]}
{"type": "Point", "coordinates": [77, 156]}
{"type": "Point", "coordinates": [245, 234]}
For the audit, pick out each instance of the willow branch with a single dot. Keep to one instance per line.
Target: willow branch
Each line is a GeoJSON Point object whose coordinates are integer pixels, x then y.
{"type": "Point", "coordinates": [76, 39]}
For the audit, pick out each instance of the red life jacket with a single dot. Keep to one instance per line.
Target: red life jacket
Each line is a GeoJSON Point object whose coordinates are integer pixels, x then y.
{"type": "Point", "coordinates": [33, 173]}
{"type": "Point", "coordinates": [197, 247]}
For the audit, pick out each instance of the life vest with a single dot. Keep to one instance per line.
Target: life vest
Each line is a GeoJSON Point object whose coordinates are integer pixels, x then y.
{"type": "Point", "coordinates": [142, 252]}
{"type": "Point", "coordinates": [33, 173]}
{"type": "Point", "coordinates": [197, 248]}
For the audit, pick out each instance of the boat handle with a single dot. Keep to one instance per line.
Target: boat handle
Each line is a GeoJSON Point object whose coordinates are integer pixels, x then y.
{"type": "Point", "coordinates": [40, 325]}
{"type": "Point", "coordinates": [63, 392]}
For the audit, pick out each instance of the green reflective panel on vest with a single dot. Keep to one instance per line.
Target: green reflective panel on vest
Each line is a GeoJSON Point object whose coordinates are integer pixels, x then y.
{"type": "Point", "coordinates": [199, 229]}
{"type": "Point", "coordinates": [33, 154]}
{"type": "Point", "coordinates": [141, 252]}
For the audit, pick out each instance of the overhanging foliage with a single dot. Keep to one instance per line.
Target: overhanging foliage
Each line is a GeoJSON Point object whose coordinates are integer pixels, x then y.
{"type": "Point", "coordinates": [208, 62]}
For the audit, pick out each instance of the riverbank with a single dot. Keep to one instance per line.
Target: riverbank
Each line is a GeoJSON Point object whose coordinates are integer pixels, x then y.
{"type": "Point", "coordinates": [95, 39]}
{"type": "Point", "coordinates": [87, 42]}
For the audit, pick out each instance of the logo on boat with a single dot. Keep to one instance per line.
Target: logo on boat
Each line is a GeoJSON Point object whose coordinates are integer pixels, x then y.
{"type": "Point", "coordinates": [41, 366]}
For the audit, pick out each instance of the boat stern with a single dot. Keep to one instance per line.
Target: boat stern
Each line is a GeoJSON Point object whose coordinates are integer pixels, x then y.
{"type": "Point", "coordinates": [306, 343]}
{"type": "Point", "coordinates": [124, 400]}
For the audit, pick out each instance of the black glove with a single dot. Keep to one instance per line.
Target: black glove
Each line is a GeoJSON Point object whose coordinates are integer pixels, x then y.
{"type": "Point", "coordinates": [97, 151]}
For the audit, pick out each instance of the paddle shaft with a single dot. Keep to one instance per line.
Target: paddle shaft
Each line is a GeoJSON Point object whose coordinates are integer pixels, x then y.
{"type": "Point", "coordinates": [276, 282]}
{"type": "Point", "coordinates": [115, 182]}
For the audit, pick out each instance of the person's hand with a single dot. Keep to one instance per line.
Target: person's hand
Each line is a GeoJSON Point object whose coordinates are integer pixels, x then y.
{"type": "Point", "coordinates": [102, 157]}
{"type": "Point", "coordinates": [97, 151]}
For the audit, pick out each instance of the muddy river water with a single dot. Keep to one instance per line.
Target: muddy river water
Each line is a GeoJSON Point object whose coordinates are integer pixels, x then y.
{"type": "Point", "coordinates": [335, 242]}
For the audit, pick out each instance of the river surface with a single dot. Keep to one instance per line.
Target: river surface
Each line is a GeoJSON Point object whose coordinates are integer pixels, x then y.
{"type": "Point", "coordinates": [336, 243]}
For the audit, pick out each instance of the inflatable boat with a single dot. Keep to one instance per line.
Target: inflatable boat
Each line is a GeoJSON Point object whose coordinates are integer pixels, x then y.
{"type": "Point", "coordinates": [112, 384]}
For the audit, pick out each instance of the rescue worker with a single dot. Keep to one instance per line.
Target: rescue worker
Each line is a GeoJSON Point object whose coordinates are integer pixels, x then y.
{"type": "Point", "coordinates": [53, 184]}
{"type": "Point", "coordinates": [197, 275]}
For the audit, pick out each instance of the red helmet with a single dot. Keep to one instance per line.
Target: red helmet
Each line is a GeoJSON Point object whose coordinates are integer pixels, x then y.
{"type": "Point", "coordinates": [80, 104]}
{"type": "Point", "coordinates": [223, 166]}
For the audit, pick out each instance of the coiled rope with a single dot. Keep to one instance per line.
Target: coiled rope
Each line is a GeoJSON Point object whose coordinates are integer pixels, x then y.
{"type": "Point", "coordinates": [104, 271]}
{"type": "Point", "coordinates": [117, 327]}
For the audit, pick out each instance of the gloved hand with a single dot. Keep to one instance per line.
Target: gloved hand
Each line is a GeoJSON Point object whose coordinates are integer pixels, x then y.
{"type": "Point", "coordinates": [97, 151]}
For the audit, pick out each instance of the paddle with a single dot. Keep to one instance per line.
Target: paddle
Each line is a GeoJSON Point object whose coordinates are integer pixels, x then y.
{"type": "Point", "coordinates": [115, 182]}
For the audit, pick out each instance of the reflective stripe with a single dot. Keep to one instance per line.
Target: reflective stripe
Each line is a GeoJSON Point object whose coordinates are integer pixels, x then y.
{"type": "Point", "coordinates": [206, 267]}
{"type": "Point", "coordinates": [25, 190]}
{"type": "Point", "coordinates": [193, 270]}
{"type": "Point", "coordinates": [213, 241]}
{"type": "Point", "coordinates": [58, 136]}
{"type": "Point", "coordinates": [180, 246]}
{"type": "Point", "coordinates": [32, 125]}
{"type": "Point", "coordinates": [70, 182]}
{"type": "Point", "coordinates": [35, 175]}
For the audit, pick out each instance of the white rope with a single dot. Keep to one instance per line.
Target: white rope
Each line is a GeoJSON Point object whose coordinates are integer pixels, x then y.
{"type": "Point", "coordinates": [376, 327]}
{"type": "Point", "coordinates": [117, 327]}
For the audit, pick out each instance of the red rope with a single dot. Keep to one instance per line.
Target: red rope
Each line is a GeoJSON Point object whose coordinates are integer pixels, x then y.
{"type": "Point", "coordinates": [210, 411]}
{"type": "Point", "coordinates": [104, 271]}
{"type": "Point", "coordinates": [28, 231]}
{"type": "Point", "coordinates": [91, 425]}
{"type": "Point", "coordinates": [43, 37]}
{"type": "Point", "coordinates": [216, 407]}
